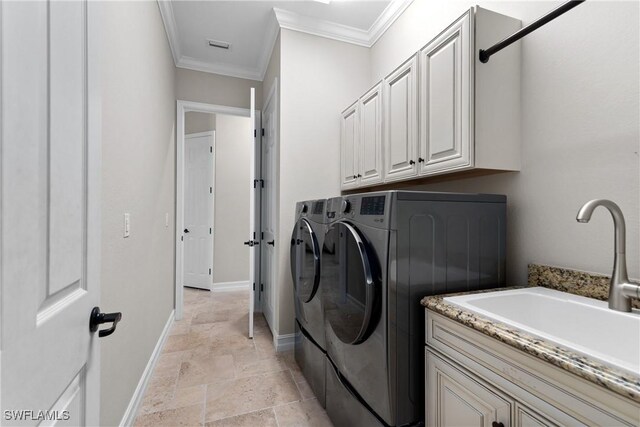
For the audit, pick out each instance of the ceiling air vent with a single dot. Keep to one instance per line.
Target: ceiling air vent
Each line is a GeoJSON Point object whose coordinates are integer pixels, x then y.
{"type": "Point", "coordinates": [219, 44]}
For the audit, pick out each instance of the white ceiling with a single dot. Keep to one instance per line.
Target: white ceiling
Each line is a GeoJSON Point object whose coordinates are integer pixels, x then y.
{"type": "Point", "coordinates": [252, 27]}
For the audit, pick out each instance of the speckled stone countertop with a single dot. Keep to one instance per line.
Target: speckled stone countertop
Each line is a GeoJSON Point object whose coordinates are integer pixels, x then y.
{"type": "Point", "coordinates": [615, 380]}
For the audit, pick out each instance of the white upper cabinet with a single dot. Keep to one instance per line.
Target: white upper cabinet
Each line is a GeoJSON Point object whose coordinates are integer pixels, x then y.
{"type": "Point", "coordinates": [370, 171]}
{"type": "Point", "coordinates": [470, 111]}
{"type": "Point", "coordinates": [446, 108]}
{"type": "Point", "coordinates": [441, 111]}
{"type": "Point", "coordinates": [350, 147]}
{"type": "Point", "coordinates": [401, 121]}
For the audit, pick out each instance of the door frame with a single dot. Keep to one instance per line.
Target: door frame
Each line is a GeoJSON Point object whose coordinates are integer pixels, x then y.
{"type": "Point", "coordinates": [183, 107]}
{"type": "Point", "coordinates": [212, 134]}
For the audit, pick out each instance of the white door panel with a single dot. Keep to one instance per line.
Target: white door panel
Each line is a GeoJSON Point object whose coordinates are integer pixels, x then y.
{"type": "Point", "coordinates": [401, 127]}
{"type": "Point", "coordinates": [350, 147]}
{"type": "Point", "coordinates": [268, 211]}
{"type": "Point", "coordinates": [445, 141]}
{"type": "Point", "coordinates": [198, 210]}
{"type": "Point", "coordinates": [50, 248]}
{"type": "Point", "coordinates": [370, 171]}
{"type": "Point", "coordinates": [253, 140]}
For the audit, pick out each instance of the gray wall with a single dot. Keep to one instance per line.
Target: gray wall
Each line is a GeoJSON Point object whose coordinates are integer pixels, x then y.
{"type": "Point", "coordinates": [216, 89]}
{"type": "Point", "coordinates": [232, 188]}
{"type": "Point", "coordinates": [580, 128]}
{"type": "Point", "coordinates": [320, 77]}
{"type": "Point", "coordinates": [138, 118]}
{"type": "Point", "coordinates": [195, 122]}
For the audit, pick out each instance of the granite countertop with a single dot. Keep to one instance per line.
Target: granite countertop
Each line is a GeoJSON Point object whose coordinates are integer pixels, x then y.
{"type": "Point", "coordinates": [585, 367]}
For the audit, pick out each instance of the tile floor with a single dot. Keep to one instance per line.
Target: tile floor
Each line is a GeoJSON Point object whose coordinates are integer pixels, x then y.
{"type": "Point", "coordinates": [211, 374]}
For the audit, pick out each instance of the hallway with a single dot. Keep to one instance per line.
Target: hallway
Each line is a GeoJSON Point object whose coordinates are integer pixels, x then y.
{"type": "Point", "coordinates": [211, 374]}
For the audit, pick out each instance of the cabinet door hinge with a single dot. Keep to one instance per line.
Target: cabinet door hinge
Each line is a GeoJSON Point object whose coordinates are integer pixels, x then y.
{"type": "Point", "coordinates": [262, 235]}
{"type": "Point", "coordinates": [261, 287]}
{"type": "Point", "coordinates": [210, 190]}
{"type": "Point", "coordinates": [255, 134]}
{"type": "Point", "coordinates": [211, 149]}
{"type": "Point", "coordinates": [209, 272]}
{"type": "Point", "coordinates": [209, 230]}
{"type": "Point", "coordinates": [254, 286]}
{"type": "Point", "coordinates": [262, 131]}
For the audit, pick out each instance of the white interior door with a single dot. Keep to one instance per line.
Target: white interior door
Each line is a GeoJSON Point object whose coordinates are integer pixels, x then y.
{"type": "Point", "coordinates": [198, 210]}
{"type": "Point", "coordinates": [50, 222]}
{"type": "Point", "coordinates": [268, 211]}
{"type": "Point", "coordinates": [253, 226]}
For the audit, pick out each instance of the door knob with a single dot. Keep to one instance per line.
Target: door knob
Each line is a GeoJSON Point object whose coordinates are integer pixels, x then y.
{"type": "Point", "coordinates": [272, 243]}
{"type": "Point", "coordinates": [97, 318]}
{"type": "Point", "coordinates": [186, 230]}
{"type": "Point", "coordinates": [411, 162]}
{"type": "Point", "coordinates": [496, 424]}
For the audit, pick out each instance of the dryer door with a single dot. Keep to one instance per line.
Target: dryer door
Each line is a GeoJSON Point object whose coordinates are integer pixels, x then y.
{"type": "Point", "coordinates": [305, 261]}
{"type": "Point", "coordinates": [351, 283]}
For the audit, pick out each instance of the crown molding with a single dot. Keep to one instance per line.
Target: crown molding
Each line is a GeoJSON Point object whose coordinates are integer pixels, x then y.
{"type": "Point", "coordinates": [386, 19]}
{"type": "Point", "coordinates": [318, 27]}
{"type": "Point", "coordinates": [270, 38]}
{"type": "Point", "coordinates": [219, 68]}
{"type": "Point", "coordinates": [281, 19]}
{"type": "Point", "coordinates": [170, 27]}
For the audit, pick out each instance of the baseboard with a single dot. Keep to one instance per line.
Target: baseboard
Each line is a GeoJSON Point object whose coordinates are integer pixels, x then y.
{"type": "Point", "coordinates": [130, 414]}
{"type": "Point", "coordinates": [284, 342]}
{"type": "Point", "coordinates": [230, 286]}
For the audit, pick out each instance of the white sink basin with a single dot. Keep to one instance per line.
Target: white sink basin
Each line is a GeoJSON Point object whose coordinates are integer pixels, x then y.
{"type": "Point", "coordinates": [584, 325]}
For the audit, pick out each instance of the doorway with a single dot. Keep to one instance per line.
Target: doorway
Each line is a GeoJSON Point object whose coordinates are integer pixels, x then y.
{"type": "Point", "coordinates": [215, 173]}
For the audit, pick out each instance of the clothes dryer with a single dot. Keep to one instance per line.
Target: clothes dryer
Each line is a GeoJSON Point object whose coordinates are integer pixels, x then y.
{"type": "Point", "coordinates": [392, 249]}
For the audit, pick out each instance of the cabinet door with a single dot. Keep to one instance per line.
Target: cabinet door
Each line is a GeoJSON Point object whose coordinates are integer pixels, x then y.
{"type": "Point", "coordinates": [446, 106]}
{"type": "Point", "coordinates": [547, 416]}
{"type": "Point", "coordinates": [350, 145]}
{"type": "Point", "coordinates": [401, 121]}
{"type": "Point", "coordinates": [456, 399]}
{"type": "Point", "coordinates": [371, 137]}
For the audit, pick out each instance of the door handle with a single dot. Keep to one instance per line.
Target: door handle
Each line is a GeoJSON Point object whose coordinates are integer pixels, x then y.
{"type": "Point", "coordinates": [97, 318]}
{"type": "Point", "coordinates": [497, 424]}
{"type": "Point", "coordinates": [186, 230]}
{"type": "Point", "coordinates": [272, 243]}
{"type": "Point", "coordinates": [251, 243]}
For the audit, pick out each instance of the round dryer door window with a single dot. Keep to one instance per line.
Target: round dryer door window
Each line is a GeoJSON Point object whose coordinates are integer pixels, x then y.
{"type": "Point", "coordinates": [305, 260]}
{"type": "Point", "coordinates": [350, 283]}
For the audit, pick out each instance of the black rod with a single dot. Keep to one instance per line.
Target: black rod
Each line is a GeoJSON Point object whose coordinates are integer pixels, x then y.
{"type": "Point", "coordinates": [485, 54]}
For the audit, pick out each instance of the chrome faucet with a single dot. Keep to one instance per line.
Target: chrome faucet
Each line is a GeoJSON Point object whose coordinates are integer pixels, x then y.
{"type": "Point", "coordinates": [621, 289]}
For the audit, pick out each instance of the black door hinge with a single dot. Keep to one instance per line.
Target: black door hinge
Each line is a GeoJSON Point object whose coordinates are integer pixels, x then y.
{"type": "Point", "coordinates": [210, 190]}
{"type": "Point", "coordinates": [209, 230]}
{"type": "Point", "coordinates": [254, 235]}
{"type": "Point", "coordinates": [262, 131]}
{"type": "Point", "coordinates": [255, 182]}
{"type": "Point", "coordinates": [262, 183]}
{"type": "Point", "coordinates": [209, 272]}
{"type": "Point", "coordinates": [262, 235]}
{"type": "Point", "coordinates": [255, 133]}
{"type": "Point", "coordinates": [211, 149]}
{"type": "Point", "coordinates": [182, 238]}
{"type": "Point", "coordinates": [254, 286]}
{"type": "Point", "coordinates": [261, 287]}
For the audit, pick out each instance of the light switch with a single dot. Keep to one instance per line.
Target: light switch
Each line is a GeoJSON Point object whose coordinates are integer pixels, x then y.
{"type": "Point", "coordinates": [166, 219]}
{"type": "Point", "coordinates": [127, 225]}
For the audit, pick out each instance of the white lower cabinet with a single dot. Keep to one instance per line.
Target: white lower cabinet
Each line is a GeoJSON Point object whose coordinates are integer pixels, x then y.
{"type": "Point", "coordinates": [474, 380]}
{"type": "Point", "coordinates": [457, 399]}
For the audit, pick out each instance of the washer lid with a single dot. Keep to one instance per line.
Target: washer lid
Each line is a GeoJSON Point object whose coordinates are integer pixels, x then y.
{"type": "Point", "coordinates": [305, 261]}
{"type": "Point", "coordinates": [350, 283]}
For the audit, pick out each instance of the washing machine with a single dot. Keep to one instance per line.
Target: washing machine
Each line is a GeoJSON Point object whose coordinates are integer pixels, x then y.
{"type": "Point", "coordinates": [390, 250]}
{"type": "Point", "coordinates": [307, 240]}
